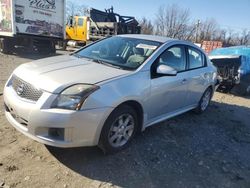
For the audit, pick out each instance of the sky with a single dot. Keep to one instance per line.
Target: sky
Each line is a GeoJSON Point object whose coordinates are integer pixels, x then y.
{"type": "Point", "coordinates": [230, 14]}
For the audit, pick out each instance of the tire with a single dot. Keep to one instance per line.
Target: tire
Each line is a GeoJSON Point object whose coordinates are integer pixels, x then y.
{"type": "Point", "coordinates": [52, 47]}
{"type": "Point", "coordinates": [4, 47]}
{"type": "Point", "coordinates": [62, 45]}
{"type": "Point", "coordinates": [204, 101]}
{"type": "Point", "coordinates": [118, 130]}
{"type": "Point", "coordinates": [45, 46]}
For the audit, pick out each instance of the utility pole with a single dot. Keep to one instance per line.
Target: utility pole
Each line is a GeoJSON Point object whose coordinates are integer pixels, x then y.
{"type": "Point", "coordinates": [197, 30]}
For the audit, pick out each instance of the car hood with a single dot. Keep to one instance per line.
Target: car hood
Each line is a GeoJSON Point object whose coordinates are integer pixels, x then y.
{"type": "Point", "coordinates": [55, 73]}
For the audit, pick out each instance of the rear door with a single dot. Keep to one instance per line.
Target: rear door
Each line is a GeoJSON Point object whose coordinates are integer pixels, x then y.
{"type": "Point", "coordinates": [198, 75]}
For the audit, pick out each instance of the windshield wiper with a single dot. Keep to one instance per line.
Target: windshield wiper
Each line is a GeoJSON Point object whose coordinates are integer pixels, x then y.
{"type": "Point", "coordinates": [76, 55]}
{"type": "Point", "coordinates": [82, 57]}
{"type": "Point", "coordinates": [100, 62]}
{"type": "Point", "coordinates": [104, 63]}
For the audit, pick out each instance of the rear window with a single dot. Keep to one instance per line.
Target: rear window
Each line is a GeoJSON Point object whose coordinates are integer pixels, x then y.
{"type": "Point", "coordinates": [195, 58]}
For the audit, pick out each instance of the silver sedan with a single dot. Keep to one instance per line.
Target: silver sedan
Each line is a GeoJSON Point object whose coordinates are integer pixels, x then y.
{"type": "Point", "coordinates": [106, 92]}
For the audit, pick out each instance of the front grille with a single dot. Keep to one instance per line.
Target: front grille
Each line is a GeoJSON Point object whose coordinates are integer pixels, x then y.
{"type": "Point", "coordinates": [25, 90]}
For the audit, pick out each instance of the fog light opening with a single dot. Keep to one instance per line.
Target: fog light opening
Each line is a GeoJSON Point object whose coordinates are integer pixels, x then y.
{"type": "Point", "coordinates": [56, 133]}
{"type": "Point", "coordinates": [6, 108]}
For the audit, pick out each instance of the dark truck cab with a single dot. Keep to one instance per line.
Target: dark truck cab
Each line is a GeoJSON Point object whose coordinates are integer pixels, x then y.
{"type": "Point", "coordinates": [233, 65]}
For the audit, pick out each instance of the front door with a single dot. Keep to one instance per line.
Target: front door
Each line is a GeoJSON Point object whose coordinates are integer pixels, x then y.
{"type": "Point", "coordinates": [169, 93]}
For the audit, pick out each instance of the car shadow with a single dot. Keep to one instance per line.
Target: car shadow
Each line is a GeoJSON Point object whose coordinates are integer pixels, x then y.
{"type": "Point", "coordinates": [235, 92]}
{"type": "Point", "coordinates": [34, 55]}
{"type": "Point", "coordinates": [208, 150]}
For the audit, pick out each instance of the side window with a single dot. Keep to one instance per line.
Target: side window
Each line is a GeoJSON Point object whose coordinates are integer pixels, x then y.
{"type": "Point", "coordinates": [70, 21]}
{"type": "Point", "coordinates": [174, 57]}
{"type": "Point", "coordinates": [195, 58]}
{"type": "Point", "coordinates": [80, 21]}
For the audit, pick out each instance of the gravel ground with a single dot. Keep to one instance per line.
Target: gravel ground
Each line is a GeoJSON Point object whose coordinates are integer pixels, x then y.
{"type": "Point", "coordinates": [208, 150]}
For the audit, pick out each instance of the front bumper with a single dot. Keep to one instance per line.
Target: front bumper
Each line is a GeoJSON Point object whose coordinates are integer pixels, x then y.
{"type": "Point", "coordinates": [55, 127]}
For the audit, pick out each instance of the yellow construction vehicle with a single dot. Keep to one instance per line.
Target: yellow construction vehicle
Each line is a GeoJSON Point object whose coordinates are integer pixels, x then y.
{"type": "Point", "coordinates": [99, 24]}
{"type": "Point", "coordinates": [77, 30]}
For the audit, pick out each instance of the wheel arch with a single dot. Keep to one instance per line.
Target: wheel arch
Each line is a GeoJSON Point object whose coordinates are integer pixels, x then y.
{"type": "Point", "coordinates": [212, 88]}
{"type": "Point", "coordinates": [136, 106]}
{"type": "Point", "coordinates": [139, 111]}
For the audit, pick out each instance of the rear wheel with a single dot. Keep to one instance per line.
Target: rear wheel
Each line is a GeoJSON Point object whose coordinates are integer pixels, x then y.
{"type": "Point", "coordinates": [45, 46]}
{"type": "Point", "coordinates": [4, 46]}
{"type": "Point", "coordinates": [62, 45]}
{"type": "Point", "coordinates": [204, 101]}
{"type": "Point", "coordinates": [118, 130]}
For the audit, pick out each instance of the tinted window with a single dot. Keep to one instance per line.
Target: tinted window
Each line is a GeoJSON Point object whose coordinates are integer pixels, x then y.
{"type": "Point", "coordinates": [174, 57]}
{"type": "Point", "coordinates": [195, 58]}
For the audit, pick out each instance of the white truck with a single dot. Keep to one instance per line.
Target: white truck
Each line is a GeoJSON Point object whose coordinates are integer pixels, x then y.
{"type": "Point", "coordinates": [34, 24]}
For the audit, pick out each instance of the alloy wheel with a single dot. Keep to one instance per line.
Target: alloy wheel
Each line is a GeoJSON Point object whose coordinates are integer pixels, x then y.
{"type": "Point", "coordinates": [205, 100]}
{"type": "Point", "coordinates": [121, 130]}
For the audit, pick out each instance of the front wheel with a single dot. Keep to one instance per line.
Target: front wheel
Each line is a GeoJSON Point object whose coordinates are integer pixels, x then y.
{"type": "Point", "coordinates": [204, 101]}
{"type": "Point", "coordinates": [118, 130]}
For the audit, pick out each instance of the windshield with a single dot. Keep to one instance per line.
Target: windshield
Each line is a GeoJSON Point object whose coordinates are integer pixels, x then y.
{"type": "Point", "coordinates": [122, 52]}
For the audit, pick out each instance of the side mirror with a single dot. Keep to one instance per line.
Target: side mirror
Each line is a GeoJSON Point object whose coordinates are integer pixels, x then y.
{"type": "Point", "coordinates": [166, 70]}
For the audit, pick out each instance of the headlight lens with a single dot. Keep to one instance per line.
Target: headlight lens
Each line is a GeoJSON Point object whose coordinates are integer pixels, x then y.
{"type": "Point", "coordinates": [215, 76]}
{"type": "Point", "coordinates": [73, 97]}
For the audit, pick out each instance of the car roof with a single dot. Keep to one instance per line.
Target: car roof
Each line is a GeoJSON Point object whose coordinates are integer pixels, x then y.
{"type": "Point", "coordinates": [149, 37]}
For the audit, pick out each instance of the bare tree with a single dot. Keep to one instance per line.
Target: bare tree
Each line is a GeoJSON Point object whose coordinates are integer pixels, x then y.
{"type": "Point", "coordinates": [190, 32]}
{"type": "Point", "coordinates": [208, 29]}
{"type": "Point", "coordinates": [229, 38]}
{"type": "Point", "coordinates": [245, 37]}
{"type": "Point", "coordinates": [74, 9]}
{"type": "Point", "coordinates": [146, 26]}
{"type": "Point", "coordinates": [232, 39]}
{"type": "Point", "coordinates": [220, 35]}
{"type": "Point", "coordinates": [172, 21]}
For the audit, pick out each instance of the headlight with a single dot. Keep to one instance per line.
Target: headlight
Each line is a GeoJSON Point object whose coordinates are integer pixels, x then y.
{"type": "Point", "coordinates": [73, 97]}
{"type": "Point", "coordinates": [215, 76]}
